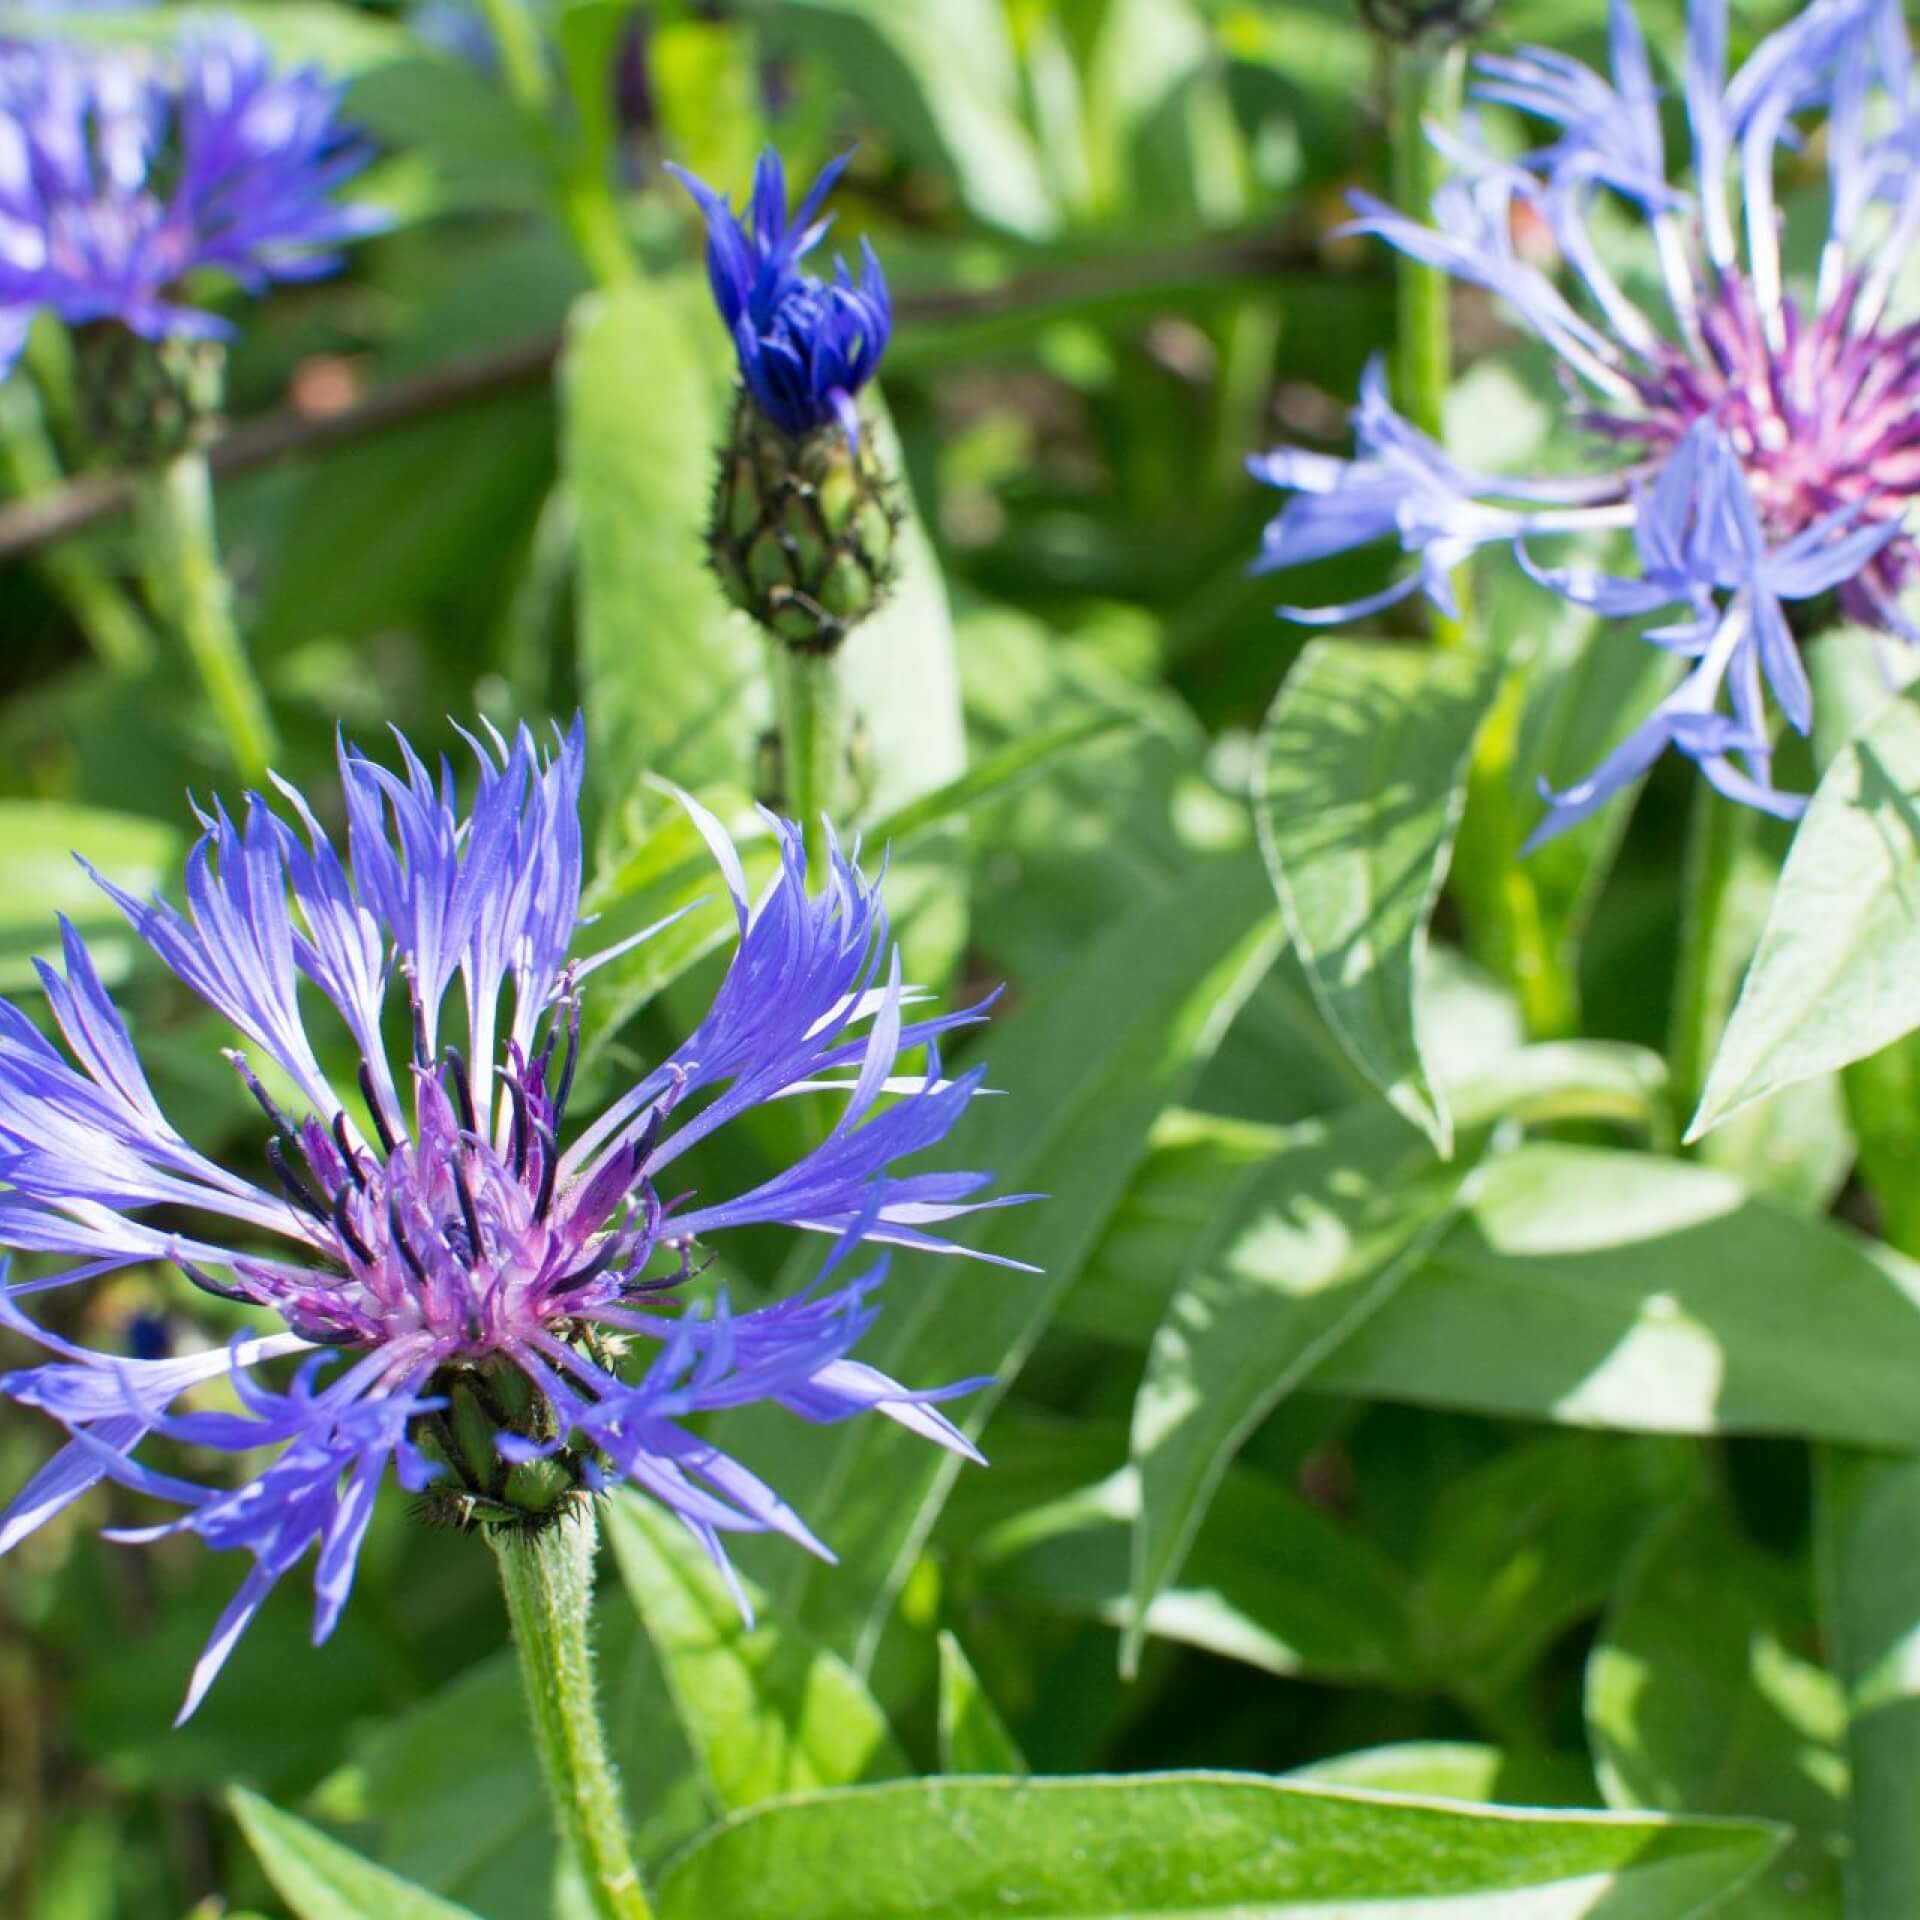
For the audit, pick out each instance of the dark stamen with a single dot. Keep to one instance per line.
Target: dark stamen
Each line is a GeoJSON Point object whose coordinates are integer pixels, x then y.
{"type": "Point", "coordinates": [374, 1108]}
{"type": "Point", "coordinates": [276, 1115]}
{"type": "Point", "coordinates": [344, 1228]}
{"type": "Point", "coordinates": [348, 1151]}
{"type": "Point", "coordinates": [549, 1166]}
{"type": "Point", "coordinates": [208, 1284]}
{"type": "Point", "coordinates": [399, 1237]}
{"type": "Point", "coordinates": [462, 1089]}
{"type": "Point", "coordinates": [521, 1126]}
{"type": "Point", "coordinates": [642, 1148]}
{"type": "Point", "coordinates": [565, 1087]}
{"type": "Point", "coordinates": [467, 1210]}
{"type": "Point", "coordinates": [594, 1268]}
{"type": "Point", "coordinates": [419, 1018]}
{"type": "Point", "coordinates": [295, 1188]}
{"type": "Point", "coordinates": [680, 1277]}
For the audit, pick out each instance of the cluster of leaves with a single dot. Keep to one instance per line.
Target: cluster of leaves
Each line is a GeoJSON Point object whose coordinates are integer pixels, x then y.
{"type": "Point", "coordinates": [1418, 1478]}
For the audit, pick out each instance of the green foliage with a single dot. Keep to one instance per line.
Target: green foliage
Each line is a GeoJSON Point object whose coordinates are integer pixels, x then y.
{"type": "Point", "coordinates": [1192, 1844]}
{"type": "Point", "coordinates": [1363, 764]}
{"type": "Point", "coordinates": [1420, 1482]}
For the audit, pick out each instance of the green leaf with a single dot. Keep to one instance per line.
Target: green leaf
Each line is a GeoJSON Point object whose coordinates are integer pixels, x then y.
{"type": "Point", "coordinates": [1086, 1067]}
{"type": "Point", "coordinates": [1604, 1288]}
{"type": "Point", "coordinates": [1362, 779]}
{"type": "Point", "coordinates": [1196, 1164]}
{"type": "Point", "coordinates": [671, 678]}
{"type": "Point", "coordinates": [973, 1737]}
{"type": "Point", "coordinates": [1267, 1581]}
{"type": "Point", "coordinates": [1315, 1241]}
{"type": "Point", "coordinates": [1867, 1517]}
{"type": "Point", "coordinates": [1456, 1770]}
{"type": "Point", "coordinates": [40, 877]}
{"type": "Point", "coordinates": [1515, 1552]}
{"type": "Point", "coordinates": [1233, 1846]}
{"type": "Point", "coordinates": [341, 39]}
{"type": "Point", "coordinates": [322, 1880]}
{"type": "Point", "coordinates": [766, 1711]}
{"type": "Point", "coordinates": [1837, 973]}
{"type": "Point", "coordinates": [1198, 1160]}
{"type": "Point", "coordinates": [942, 77]}
{"type": "Point", "coordinates": [1698, 1698]}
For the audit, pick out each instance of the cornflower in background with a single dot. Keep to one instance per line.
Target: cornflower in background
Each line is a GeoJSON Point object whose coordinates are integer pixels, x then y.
{"type": "Point", "coordinates": [463, 1280]}
{"type": "Point", "coordinates": [1761, 445]}
{"type": "Point", "coordinates": [804, 522]}
{"type": "Point", "coordinates": [121, 176]}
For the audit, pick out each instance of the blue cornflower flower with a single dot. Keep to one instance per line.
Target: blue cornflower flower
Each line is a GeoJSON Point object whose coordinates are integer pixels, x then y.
{"type": "Point", "coordinates": [435, 1238]}
{"type": "Point", "coordinates": [1761, 446]}
{"type": "Point", "coordinates": [806, 346]}
{"type": "Point", "coordinates": [121, 176]}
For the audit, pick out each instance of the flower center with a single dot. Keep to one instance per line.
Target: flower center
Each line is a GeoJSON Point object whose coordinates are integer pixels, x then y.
{"type": "Point", "coordinates": [1825, 421]}
{"type": "Point", "coordinates": [456, 1245]}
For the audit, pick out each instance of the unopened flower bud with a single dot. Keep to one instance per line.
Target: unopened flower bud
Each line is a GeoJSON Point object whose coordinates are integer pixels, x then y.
{"type": "Point", "coordinates": [805, 517]}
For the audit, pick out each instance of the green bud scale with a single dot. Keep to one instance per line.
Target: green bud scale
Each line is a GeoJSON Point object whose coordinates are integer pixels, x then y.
{"type": "Point", "coordinates": [143, 402]}
{"type": "Point", "coordinates": [805, 529]}
{"type": "Point", "coordinates": [478, 1488]}
{"type": "Point", "coordinates": [1432, 23]}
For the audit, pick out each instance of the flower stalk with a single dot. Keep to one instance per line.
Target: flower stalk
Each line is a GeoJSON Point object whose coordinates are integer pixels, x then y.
{"type": "Point", "coordinates": [810, 709]}
{"type": "Point", "coordinates": [1426, 72]}
{"type": "Point", "coordinates": [546, 1574]}
{"type": "Point", "coordinates": [189, 587]}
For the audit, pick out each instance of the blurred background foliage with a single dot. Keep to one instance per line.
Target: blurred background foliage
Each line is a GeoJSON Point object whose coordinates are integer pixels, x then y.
{"type": "Point", "coordinates": [1500, 1480]}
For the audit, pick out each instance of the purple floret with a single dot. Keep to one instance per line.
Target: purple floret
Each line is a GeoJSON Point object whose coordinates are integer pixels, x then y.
{"type": "Point", "coordinates": [122, 175]}
{"type": "Point", "coordinates": [1759, 445]}
{"type": "Point", "coordinates": [806, 346]}
{"type": "Point", "coordinates": [438, 1216]}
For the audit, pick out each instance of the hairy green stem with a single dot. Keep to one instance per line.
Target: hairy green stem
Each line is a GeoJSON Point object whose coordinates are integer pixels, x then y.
{"type": "Point", "coordinates": [547, 1577]}
{"type": "Point", "coordinates": [189, 588]}
{"type": "Point", "coordinates": [810, 708]}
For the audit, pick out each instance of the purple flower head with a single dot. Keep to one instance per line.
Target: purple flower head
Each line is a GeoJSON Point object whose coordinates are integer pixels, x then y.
{"type": "Point", "coordinates": [121, 176]}
{"type": "Point", "coordinates": [806, 346]}
{"type": "Point", "coordinates": [439, 1228]}
{"type": "Point", "coordinates": [1760, 444]}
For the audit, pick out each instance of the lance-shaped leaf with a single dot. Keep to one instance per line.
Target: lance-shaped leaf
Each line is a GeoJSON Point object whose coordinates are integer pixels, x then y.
{"type": "Point", "coordinates": [1362, 780]}
{"type": "Point", "coordinates": [1086, 1068]}
{"type": "Point", "coordinates": [1837, 973]}
{"type": "Point", "coordinates": [1314, 1241]}
{"type": "Point", "coordinates": [765, 1710]}
{"type": "Point", "coordinates": [322, 1880]}
{"type": "Point", "coordinates": [1867, 1515]}
{"type": "Point", "coordinates": [1229, 1846]}
{"type": "Point", "coordinates": [1610, 1289]}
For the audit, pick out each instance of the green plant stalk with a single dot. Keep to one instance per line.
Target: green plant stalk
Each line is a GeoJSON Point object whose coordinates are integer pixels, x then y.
{"type": "Point", "coordinates": [1505, 927]}
{"type": "Point", "coordinates": [1708, 976]}
{"type": "Point", "coordinates": [586, 202]}
{"type": "Point", "coordinates": [190, 589]}
{"type": "Point", "coordinates": [523, 59]}
{"type": "Point", "coordinates": [30, 466]}
{"type": "Point", "coordinates": [1426, 84]}
{"type": "Point", "coordinates": [547, 1577]}
{"type": "Point", "coordinates": [810, 709]}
